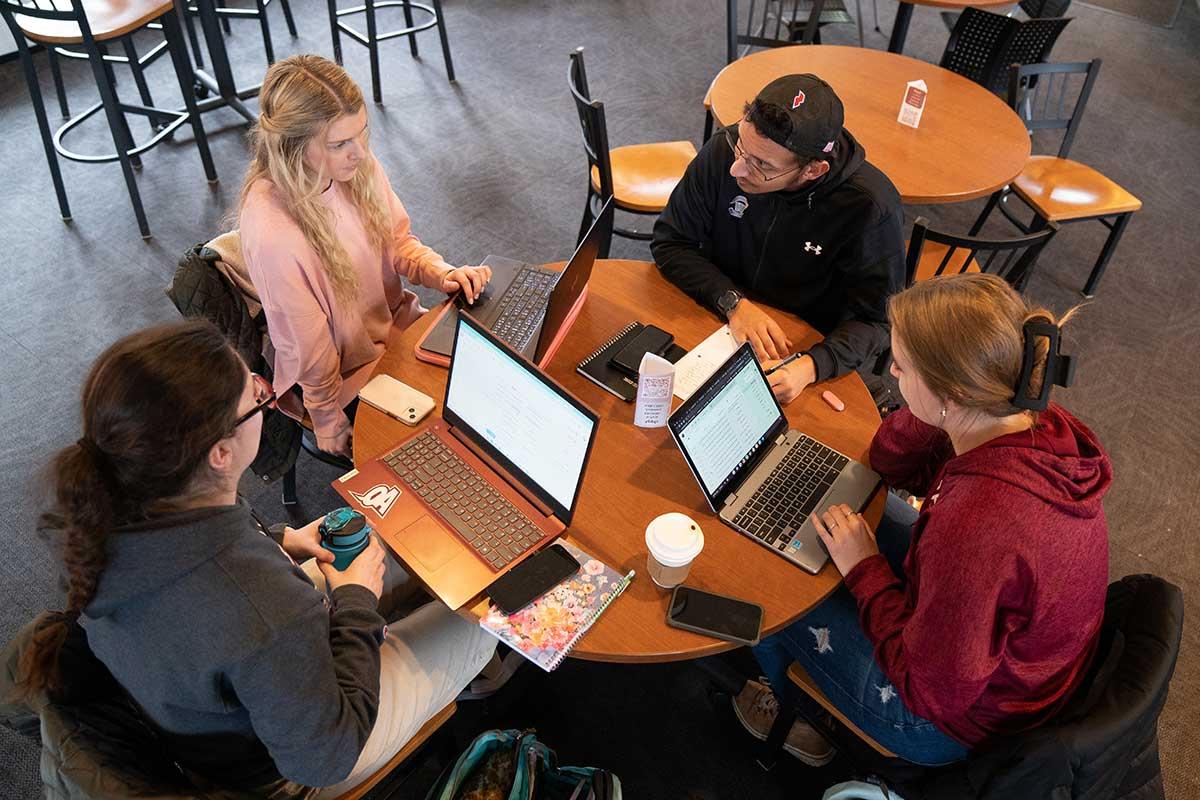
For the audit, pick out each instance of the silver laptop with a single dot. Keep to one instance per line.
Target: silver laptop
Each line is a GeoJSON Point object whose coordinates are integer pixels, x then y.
{"type": "Point", "coordinates": [761, 478]}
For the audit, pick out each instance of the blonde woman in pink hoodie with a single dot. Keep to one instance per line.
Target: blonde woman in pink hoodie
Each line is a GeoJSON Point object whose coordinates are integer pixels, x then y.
{"type": "Point", "coordinates": [326, 242]}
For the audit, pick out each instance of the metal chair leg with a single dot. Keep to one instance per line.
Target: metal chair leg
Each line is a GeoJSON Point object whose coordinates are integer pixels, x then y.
{"type": "Point", "coordinates": [39, 111]}
{"type": "Point", "coordinates": [769, 751]}
{"type": "Point", "coordinates": [56, 73]}
{"type": "Point", "coordinates": [122, 121]}
{"type": "Point", "coordinates": [183, 72]}
{"type": "Point", "coordinates": [373, 49]}
{"type": "Point", "coordinates": [1106, 252]}
{"type": "Point", "coordinates": [408, 23]}
{"type": "Point", "coordinates": [265, 24]}
{"type": "Point", "coordinates": [287, 17]}
{"type": "Point", "coordinates": [858, 19]}
{"type": "Point", "coordinates": [224, 19]}
{"type": "Point", "coordinates": [189, 25]}
{"type": "Point", "coordinates": [139, 77]}
{"type": "Point", "coordinates": [335, 32]}
{"type": "Point", "coordinates": [988, 208]}
{"type": "Point", "coordinates": [289, 486]}
{"type": "Point", "coordinates": [119, 129]}
{"type": "Point", "coordinates": [441, 26]}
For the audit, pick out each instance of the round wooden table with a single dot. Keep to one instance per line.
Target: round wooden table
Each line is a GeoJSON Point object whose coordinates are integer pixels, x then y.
{"type": "Point", "coordinates": [904, 16]}
{"type": "Point", "coordinates": [636, 474]}
{"type": "Point", "coordinates": [969, 143]}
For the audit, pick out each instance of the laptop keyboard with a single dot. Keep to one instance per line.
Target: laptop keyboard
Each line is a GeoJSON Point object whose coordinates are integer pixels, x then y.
{"type": "Point", "coordinates": [790, 493]}
{"type": "Point", "coordinates": [523, 305]}
{"type": "Point", "coordinates": [483, 517]}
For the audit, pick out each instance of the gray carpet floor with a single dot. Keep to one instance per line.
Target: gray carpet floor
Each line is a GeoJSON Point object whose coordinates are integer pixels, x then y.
{"type": "Point", "coordinates": [493, 164]}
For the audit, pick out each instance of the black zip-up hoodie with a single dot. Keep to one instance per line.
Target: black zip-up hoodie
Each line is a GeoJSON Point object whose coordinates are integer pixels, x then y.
{"type": "Point", "coordinates": [831, 253]}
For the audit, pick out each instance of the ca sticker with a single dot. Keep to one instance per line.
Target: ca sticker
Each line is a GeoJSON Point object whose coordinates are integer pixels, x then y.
{"type": "Point", "coordinates": [379, 498]}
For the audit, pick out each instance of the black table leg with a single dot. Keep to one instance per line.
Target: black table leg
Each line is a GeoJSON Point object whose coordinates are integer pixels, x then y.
{"type": "Point", "coordinates": [220, 82]}
{"type": "Point", "coordinates": [900, 28]}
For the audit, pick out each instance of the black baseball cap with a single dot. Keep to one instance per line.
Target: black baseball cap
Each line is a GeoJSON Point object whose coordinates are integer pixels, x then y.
{"type": "Point", "coordinates": [814, 109]}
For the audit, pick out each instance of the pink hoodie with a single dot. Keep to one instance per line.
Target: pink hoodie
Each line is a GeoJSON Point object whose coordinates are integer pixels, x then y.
{"type": "Point", "coordinates": [327, 347]}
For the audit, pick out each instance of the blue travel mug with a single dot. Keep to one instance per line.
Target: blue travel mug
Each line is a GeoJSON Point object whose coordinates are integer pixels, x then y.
{"type": "Point", "coordinates": [345, 533]}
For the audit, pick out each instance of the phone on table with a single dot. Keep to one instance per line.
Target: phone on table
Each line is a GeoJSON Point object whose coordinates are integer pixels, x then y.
{"type": "Point", "coordinates": [650, 339]}
{"type": "Point", "coordinates": [397, 399]}
{"type": "Point", "coordinates": [715, 615]}
{"type": "Point", "coordinates": [532, 578]}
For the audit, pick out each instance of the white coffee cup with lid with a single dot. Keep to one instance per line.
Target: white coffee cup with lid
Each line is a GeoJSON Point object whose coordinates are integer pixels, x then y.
{"type": "Point", "coordinates": [674, 540]}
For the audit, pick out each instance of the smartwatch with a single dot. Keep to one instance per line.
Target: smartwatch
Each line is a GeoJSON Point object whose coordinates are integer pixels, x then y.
{"type": "Point", "coordinates": [728, 301]}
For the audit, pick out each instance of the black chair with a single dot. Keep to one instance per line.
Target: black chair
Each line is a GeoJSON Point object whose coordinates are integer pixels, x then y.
{"type": "Point", "coordinates": [932, 253]}
{"type": "Point", "coordinates": [1056, 188]}
{"type": "Point", "coordinates": [136, 62]}
{"type": "Point", "coordinates": [91, 25]}
{"type": "Point", "coordinates": [225, 13]}
{"type": "Point", "coordinates": [1104, 743]}
{"type": "Point", "coordinates": [372, 38]}
{"type": "Point", "coordinates": [983, 45]}
{"type": "Point", "coordinates": [1034, 9]}
{"type": "Point", "coordinates": [638, 177]}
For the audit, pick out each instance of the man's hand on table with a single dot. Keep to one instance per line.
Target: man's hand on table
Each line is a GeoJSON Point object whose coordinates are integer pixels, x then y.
{"type": "Point", "coordinates": [788, 382]}
{"type": "Point", "coordinates": [750, 323]}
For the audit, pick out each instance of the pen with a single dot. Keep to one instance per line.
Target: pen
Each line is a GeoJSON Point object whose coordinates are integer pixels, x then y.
{"type": "Point", "coordinates": [783, 363]}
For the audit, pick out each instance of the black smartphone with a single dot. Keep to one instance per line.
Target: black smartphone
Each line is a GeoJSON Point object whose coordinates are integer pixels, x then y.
{"type": "Point", "coordinates": [715, 615]}
{"type": "Point", "coordinates": [532, 578]}
{"type": "Point", "coordinates": [650, 339]}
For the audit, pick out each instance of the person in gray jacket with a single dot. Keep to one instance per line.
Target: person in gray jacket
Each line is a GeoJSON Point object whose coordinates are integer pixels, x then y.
{"type": "Point", "coordinates": [254, 679]}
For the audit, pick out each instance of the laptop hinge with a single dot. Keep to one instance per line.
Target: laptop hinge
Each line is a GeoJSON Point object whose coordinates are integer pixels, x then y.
{"type": "Point", "coordinates": [509, 478]}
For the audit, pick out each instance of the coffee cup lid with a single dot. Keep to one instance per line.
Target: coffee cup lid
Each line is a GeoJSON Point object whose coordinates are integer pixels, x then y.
{"type": "Point", "coordinates": [674, 539]}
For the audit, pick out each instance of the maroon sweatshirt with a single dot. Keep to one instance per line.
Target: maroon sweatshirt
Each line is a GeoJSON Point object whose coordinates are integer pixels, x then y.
{"type": "Point", "coordinates": [1006, 575]}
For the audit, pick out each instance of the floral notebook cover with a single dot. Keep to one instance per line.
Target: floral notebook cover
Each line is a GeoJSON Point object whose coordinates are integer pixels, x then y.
{"type": "Point", "coordinates": [547, 629]}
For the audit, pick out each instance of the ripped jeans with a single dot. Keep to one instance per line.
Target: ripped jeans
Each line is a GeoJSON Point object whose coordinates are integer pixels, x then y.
{"type": "Point", "coordinates": [830, 645]}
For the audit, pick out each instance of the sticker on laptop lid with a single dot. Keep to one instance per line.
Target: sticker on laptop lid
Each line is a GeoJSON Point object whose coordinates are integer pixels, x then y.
{"type": "Point", "coordinates": [379, 498]}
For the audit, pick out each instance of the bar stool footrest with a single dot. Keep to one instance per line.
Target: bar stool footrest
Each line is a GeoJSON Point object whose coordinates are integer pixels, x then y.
{"type": "Point", "coordinates": [379, 37]}
{"type": "Point", "coordinates": [169, 119]}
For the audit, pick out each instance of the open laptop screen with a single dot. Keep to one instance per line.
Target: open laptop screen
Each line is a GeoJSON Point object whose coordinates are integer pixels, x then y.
{"type": "Point", "coordinates": [724, 425]}
{"type": "Point", "coordinates": [519, 416]}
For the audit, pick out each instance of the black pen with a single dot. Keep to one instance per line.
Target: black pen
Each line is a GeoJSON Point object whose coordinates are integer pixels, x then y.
{"type": "Point", "coordinates": [783, 363]}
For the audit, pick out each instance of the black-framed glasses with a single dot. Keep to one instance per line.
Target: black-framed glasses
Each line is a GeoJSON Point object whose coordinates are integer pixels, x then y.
{"type": "Point", "coordinates": [264, 397]}
{"type": "Point", "coordinates": [753, 163]}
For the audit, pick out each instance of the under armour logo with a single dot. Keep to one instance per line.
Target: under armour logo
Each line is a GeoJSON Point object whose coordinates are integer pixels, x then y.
{"type": "Point", "coordinates": [798, 100]}
{"type": "Point", "coordinates": [812, 248]}
{"type": "Point", "coordinates": [378, 498]}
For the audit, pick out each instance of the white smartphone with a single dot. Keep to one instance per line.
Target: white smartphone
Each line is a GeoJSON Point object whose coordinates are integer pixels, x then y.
{"type": "Point", "coordinates": [396, 399]}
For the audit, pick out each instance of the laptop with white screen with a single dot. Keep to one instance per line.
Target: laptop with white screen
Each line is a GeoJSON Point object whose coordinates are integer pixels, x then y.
{"type": "Point", "coordinates": [761, 478]}
{"type": "Point", "coordinates": [470, 495]}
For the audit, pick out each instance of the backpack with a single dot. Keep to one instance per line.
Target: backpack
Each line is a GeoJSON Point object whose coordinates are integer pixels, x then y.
{"type": "Point", "coordinates": [514, 765]}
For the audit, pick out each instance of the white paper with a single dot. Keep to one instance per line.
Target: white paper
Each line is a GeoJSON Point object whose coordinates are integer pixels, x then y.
{"type": "Point", "coordinates": [656, 376]}
{"type": "Point", "coordinates": [913, 104]}
{"type": "Point", "coordinates": [702, 361]}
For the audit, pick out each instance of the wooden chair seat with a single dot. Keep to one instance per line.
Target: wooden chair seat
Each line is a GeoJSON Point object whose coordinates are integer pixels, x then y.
{"type": "Point", "coordinates": [799, 676]}
{"type": "Point", "coordinates": [644, 175]}
{"type": "Point", "coordinates": [931, 256]}
{"type": "Point", "coordinates": [422, 735]}
{"type": "Point", "coordinates": [1060, 189]}
{"type": "Point", "coordinates": [109, 19]}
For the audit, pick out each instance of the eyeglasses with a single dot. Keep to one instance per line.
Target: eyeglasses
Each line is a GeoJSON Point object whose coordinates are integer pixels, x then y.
{"type": "Point", "coordinates": [753, 163]}
{"type": "Point", "coordinates": [264, 397]}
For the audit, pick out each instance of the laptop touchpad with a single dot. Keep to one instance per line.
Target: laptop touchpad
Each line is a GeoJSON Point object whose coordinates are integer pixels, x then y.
{"type": "Point", "coordinates": [430, 543]}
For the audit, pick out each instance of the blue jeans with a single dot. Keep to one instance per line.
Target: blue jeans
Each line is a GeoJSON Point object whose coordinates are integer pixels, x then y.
{"type": "Point", "coordinates": [830, 645]}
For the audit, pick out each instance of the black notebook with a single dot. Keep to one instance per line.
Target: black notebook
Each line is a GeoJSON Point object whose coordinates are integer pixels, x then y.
{"type": "Point", "coordinates": [597, 369]}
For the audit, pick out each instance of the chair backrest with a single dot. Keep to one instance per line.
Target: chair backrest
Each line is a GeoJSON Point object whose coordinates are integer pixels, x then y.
{"type": "Point", "coordinates": [1044, 8]}
{"type": "Point", "coordinates": [1011, 259]}
{"type": "Point", "coordinates": [983, 45]}
{"type": "Point", "coordinates": [769, 23]}
{"type": "Point", "coordinates": [59, 10]}
{"type": "Point", "coordinates": [1042, 96]}
{"type": "Point", "coordinates": [591, 120]}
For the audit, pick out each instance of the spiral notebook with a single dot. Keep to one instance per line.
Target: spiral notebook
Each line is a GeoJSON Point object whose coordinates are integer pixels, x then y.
{"type": "Point", "coordinates": [597, 369]}
{"type": "Point", "coordinates": [547, 629]}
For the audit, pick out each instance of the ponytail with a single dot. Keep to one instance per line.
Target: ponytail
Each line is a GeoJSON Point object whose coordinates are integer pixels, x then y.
{"type": "Point", "coordinates": [154, 404]}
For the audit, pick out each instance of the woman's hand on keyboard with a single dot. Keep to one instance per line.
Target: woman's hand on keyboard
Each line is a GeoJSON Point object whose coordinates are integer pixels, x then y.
{"type": "Point", "coordinates": [846, 535]}
{"type": "Point", "coordinates": [470, 280]}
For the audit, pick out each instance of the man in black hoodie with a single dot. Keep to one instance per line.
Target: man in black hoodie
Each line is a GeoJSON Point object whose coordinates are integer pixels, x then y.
{"type": "Point", "coordinates": [783, 207]}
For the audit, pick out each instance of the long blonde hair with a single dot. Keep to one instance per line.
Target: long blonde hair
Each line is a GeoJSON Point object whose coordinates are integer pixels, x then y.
{"type": "Point", "coordinates": [964, 335]}
{"type": "Point", "coordinates": [301, 97]}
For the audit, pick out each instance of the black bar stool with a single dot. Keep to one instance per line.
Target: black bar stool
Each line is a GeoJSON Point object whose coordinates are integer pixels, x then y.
{"type": "Point", "coordinates": [372, 38]}
{"type": "Point", "coordinates": [226, 13]}
{"type": "Point", "coordinates": [92, 23]}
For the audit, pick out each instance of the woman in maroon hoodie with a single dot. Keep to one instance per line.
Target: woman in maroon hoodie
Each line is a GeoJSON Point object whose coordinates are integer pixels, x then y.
{"type": "Point", "coordinates": [978, 617]}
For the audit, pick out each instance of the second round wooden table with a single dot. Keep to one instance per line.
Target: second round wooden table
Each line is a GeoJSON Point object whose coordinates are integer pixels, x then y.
{"type": "Point", "coordinates": [636, 474]}
{"type": "Point", "coordinates": [969, 143]}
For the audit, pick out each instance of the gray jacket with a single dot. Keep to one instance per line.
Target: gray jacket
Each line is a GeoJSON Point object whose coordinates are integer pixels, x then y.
{"type": "Point", "coordinates": [247, 671]}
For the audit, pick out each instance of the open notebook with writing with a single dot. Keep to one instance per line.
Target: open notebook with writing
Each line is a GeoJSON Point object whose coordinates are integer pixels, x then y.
{"type": "Point", "coordinates": [547, 629]}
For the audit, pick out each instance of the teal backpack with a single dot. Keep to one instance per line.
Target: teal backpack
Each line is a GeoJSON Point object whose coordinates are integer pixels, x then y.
{"type": "Point", "coordinates": [514, 765]}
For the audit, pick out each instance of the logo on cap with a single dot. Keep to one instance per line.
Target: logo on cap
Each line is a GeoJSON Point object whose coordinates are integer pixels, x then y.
{"type": "Point", "coordinates": [798, 100]}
